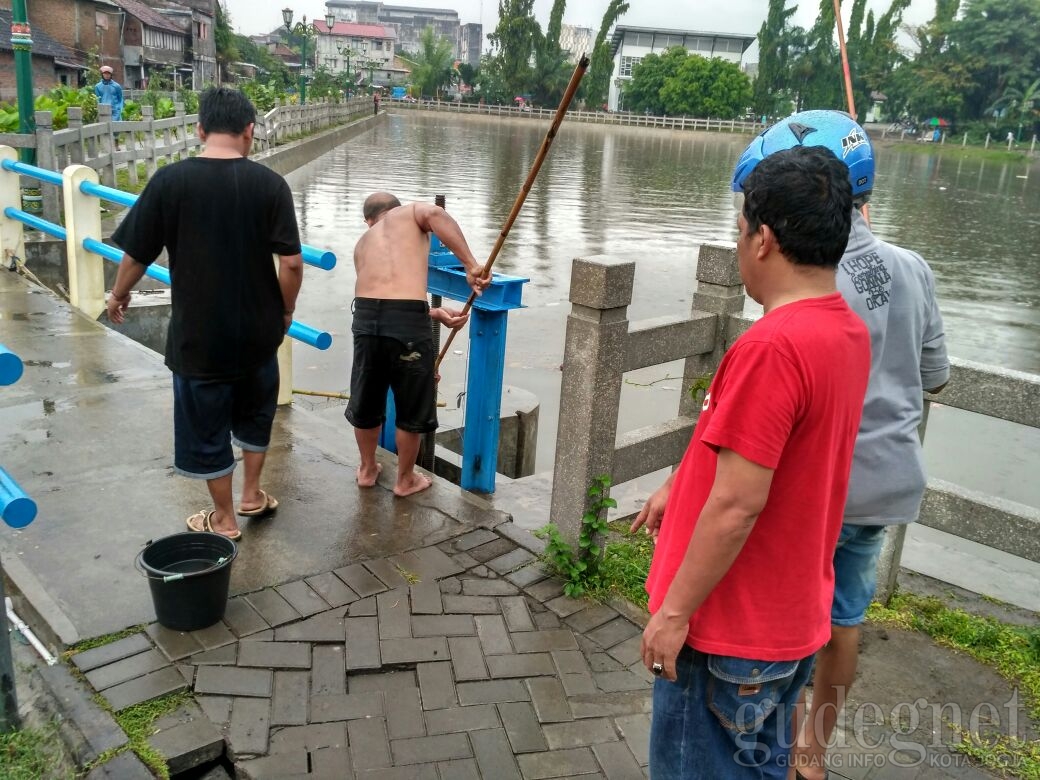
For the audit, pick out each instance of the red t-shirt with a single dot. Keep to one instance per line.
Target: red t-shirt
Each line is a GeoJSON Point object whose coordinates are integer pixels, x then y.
{"type": "Point", "coordinates": [788, 396]}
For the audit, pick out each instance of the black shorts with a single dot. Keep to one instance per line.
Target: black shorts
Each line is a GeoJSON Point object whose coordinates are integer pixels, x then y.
{"type": "Point", "coordinates": [402, 362]}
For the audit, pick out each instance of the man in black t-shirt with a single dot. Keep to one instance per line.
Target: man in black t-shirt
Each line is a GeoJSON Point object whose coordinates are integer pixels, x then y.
{"type": "Point", "coordinates": [220, 217]}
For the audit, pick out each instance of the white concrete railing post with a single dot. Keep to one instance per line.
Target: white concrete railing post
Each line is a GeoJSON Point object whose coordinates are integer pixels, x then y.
{"type": "Point", "coordinates": [83, 220]}
{"type": "Point", "coordinates": [285, 367]}
{"type": "Point", "coordinates": [12, 241]}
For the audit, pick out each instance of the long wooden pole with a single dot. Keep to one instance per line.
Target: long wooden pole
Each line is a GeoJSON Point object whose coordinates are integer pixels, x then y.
{"type": "Point", "coordinates": [845, 60]}
{"type": "Point", "coordinates": [550, 136]}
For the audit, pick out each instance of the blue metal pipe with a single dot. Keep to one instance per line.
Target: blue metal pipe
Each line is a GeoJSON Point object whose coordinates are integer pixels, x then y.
{"type": "Point", "coordinates": [10, 366]}
{"type": "Point", "coordinates": [17, 509]}
{"type": "Point", "coordinates": [318, 339]}
{"type": "Point", "coordinates": [319, 258]}
{"type": "Point", "coordinates": [42, 174]}
{"type": "Point", "coordinates": [35, 222]}
{"type": "Point", "coordinates": [110, 194]}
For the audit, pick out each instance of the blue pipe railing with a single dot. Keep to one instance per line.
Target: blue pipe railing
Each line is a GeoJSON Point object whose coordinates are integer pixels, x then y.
{"type": "Point", "coordinates": [16, 508]}
{"type": "Point", "coordinates": [319, 339]}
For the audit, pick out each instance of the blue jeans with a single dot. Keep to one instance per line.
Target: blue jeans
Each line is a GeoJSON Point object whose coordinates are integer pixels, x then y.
{"type": "Point", "coordinates": [725, 718]}
{"type": "Point", "coordinates": [855, 572]}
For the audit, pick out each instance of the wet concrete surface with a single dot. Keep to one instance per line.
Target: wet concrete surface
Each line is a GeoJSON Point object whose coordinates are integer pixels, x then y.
{"type": "Point", "coordinates": [88, 433]}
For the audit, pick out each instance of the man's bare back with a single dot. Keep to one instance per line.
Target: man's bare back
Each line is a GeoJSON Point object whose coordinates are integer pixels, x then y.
{"type": "Point", "coordinates": [391, 257]}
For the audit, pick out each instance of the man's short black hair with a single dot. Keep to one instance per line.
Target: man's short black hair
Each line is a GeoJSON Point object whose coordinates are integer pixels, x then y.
{"type": "Point", "coordinates": [225, 110]}
{"type": "Point", "coordinates": [804, 196]}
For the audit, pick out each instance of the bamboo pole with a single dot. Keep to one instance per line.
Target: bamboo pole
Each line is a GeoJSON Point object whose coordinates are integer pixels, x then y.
{"type": "Point", "coordinates": [845, 60]}
{"type": "Point", "coordinates": [561, 111]}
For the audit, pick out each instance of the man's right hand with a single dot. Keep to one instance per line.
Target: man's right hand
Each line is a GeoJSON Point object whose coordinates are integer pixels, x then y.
{"type": "Point", "coordinates": [652, 513]}
{"type": "Point", "coordinates": [116, 307]}
{"type": "Point", "coordinates": [476, 281]}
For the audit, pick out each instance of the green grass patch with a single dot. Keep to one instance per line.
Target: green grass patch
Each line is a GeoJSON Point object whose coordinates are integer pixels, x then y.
{"type": "Point", "coordinates": [954, 149]}
{"type": "Point", "coordinates": [139, 724]}
{"type": "Point", "coordinates": [626, 563]}
{"type": "Point", "coordinates": [101, 641]}
{"type": "Point", "coordinates": [30, 754]}
{"type": "Point", "coordinates": [1008, 756]}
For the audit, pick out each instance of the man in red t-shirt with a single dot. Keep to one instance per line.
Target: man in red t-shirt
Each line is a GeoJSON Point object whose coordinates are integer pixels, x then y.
{"type": "Point", "coordinates": [742, 579]}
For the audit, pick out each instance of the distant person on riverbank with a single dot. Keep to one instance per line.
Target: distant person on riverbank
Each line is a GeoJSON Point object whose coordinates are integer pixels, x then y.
{"type": "Point", "coordinates": [893, 291]}
{"type": "Point", "coordinates": [109, 93]}
{"type": "Point", "coordinates": [393, 332]}
{"type": "Point", "coordinates": [741, 580]}
{"type": "Point", "coordinates": [220, 217]}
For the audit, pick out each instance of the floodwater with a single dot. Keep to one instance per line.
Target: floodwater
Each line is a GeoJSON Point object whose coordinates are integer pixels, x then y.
{"type": "Point", "coordinates": [651, 196]}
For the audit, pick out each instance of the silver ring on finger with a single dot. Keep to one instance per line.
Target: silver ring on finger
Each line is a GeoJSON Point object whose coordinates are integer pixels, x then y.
{"type": "Point", "coordinates": [657, 668]}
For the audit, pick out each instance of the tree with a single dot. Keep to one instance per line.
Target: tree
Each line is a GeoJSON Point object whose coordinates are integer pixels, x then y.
{"type": "Point", "coordinates": [432, 64]}
{"type": "Point", "coordinates": [873, 52]}
{"type": "Point", "coordinates": [678, 82]}
{"type": "Point", "coordinates": [515, 38]}
{"type": "Point", "coordinates": [597, 80]}
{"type": "Point", "coordinates": [551, 71]}
{"type": "Point", "coordinates": [644, 92]}
{"type": "Point", "coordinates": [773, 45]}
{"type": "Point", "coordinates": [227, 51]}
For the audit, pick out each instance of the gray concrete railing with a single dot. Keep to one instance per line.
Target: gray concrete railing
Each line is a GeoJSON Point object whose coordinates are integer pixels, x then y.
{"type": "Point", "coordinates": [601, 345]}
{"type": "Point", "coordinates": [591, 117]}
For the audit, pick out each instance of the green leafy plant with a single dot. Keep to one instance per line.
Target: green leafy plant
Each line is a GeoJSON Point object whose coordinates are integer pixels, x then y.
{"type": "Point", "coordinates": [700, 388]}
{"type": "Point", "coordinates": [581, 569]}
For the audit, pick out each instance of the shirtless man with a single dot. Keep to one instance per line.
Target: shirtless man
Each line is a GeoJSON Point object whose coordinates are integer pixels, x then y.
{"type": "Point", "coordinates": [393, 337]}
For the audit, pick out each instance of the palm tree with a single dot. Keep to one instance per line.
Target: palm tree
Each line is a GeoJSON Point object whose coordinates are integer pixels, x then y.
{"type": "Point", "coordinates": [1018, 102]}
{"type": "Point", "coordinates": [432, 65]}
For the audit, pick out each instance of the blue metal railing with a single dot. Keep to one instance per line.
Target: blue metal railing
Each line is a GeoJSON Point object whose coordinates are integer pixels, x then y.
{"type": "Point", "coordinates": [318, 258]}
{"type": "Point", "coordinates": [16, 508]}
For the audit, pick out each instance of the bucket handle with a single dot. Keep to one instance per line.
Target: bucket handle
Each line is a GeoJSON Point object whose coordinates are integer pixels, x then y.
{"type": "Point", "coordinates": [179, 576]}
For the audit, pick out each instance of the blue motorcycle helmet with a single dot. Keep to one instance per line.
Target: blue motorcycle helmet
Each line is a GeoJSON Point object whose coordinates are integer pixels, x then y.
{"type": "Point", "coordinates": [833, 129]}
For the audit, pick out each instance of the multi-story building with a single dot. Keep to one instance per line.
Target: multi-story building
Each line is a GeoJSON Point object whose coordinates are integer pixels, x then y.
{"type": "Point", "coordinates": [630, 44]}
{"type": "Point", "coordinates": [364, 51]}
{"type": "Point", "coordinates": [86, 28]}
{"type": "Point", "coordinates": [196, 18]}
{"type": "Point", "coordinates": [576, 41]}
{"type": "Point", "coordinates": [51, 61]}
{"type": "Point", "coordinates": [471, 43]}
{"type": "Point", "coordinates": [151, 42]}
{"type": "Point", "coordinates": [408, 22]}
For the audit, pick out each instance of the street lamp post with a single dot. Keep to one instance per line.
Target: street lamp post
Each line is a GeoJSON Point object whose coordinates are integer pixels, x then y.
{"type": "Point", "coordinates": [346, 52]}
{"type": "Point", "coordinates": [304, 31]}
{"type": "Point", "coordinates": [21, 42]}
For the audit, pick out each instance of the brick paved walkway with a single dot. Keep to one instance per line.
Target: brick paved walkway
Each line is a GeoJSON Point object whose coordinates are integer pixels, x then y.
{"type": "Point", "coordinates": [457, 661]}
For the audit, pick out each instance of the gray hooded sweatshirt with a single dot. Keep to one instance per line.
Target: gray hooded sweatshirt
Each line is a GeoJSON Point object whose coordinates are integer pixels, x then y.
{"type": "Point", "coordinates": [893, 291]}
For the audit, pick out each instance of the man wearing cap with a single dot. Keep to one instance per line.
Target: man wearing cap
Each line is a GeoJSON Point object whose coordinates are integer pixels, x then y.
{"type": "Point", "coordinates": [109, 93]}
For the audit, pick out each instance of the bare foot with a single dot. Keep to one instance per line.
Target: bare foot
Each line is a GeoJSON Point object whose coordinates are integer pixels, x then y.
{"type": "Point", "coordinates": [414, 483]}
{"type": "Point", "coordinates": [368, 478]}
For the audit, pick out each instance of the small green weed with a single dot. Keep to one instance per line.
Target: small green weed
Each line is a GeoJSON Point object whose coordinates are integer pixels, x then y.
{"type": "Point", "coordinates": [29, 754]}
{"type": "Point", "coordinates": [408, 576]}
{"type": "Point", "coordinates": [581, 570]}
{"type": "Point", "coordinates": [101, 641]}
{"type": "Point", "coordinates": [1010, 756]}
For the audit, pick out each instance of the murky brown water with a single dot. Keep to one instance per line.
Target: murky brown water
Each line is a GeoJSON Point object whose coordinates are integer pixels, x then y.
{"type": "Point", "coordinates": [650, 196]}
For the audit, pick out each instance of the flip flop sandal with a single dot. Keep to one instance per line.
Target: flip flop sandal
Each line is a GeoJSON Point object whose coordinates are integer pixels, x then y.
{"type": "Point", "coordinates": [269, 507]}
{"type": "Point", "coordinates": [203, 522]}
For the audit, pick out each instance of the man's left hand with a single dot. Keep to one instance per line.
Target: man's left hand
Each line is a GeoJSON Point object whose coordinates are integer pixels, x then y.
{"type": "Point", "coordinates": [663, 638]}
{"type": "Point", "coordinates": [450, 318]}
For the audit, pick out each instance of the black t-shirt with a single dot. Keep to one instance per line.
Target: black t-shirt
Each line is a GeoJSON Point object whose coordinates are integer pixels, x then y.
{"type": "Point", "coordinates": [220, 221]}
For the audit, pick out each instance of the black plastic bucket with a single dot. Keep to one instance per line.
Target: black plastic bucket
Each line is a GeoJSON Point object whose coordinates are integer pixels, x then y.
{"type": "Point", "coordinates": [189, 574]}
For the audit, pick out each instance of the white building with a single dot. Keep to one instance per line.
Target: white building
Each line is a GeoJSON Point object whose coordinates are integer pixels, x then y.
{"type": "Point", "coordinates": [576, 41]}
{"type": "Point", "coordinates": [361, 49]}
{"type": "Point", "coordinates": [630, 44]}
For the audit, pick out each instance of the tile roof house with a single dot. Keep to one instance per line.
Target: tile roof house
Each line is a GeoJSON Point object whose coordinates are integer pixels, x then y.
{"type": "Point", "coordinates": [155, 42]}
{"type": "Point", "coordinates": [52, 62]}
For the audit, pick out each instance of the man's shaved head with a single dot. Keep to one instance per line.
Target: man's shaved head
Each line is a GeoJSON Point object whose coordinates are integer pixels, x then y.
{"type": "Point", "coordinates": [378, 202]}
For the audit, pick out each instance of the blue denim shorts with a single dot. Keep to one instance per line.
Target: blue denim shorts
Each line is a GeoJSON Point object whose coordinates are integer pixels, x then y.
{"type": "Point", "coordinates": [209, 415]}
{"type": "Point", "coordinates": [855, 572]}
{"type": "Point", "coordinates": [725, 717]}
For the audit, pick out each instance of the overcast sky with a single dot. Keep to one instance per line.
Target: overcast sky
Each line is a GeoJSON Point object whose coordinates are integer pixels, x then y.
{"type": "Point", "coordinates": [251, 17]}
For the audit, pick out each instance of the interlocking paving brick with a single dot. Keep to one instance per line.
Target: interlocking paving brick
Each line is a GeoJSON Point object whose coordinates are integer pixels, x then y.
{"type": "Point", "coordinates": [570, 662]}
{"type": "Point", "coordinates": [629, 651]}
{"type": "Point", "coordinates": [459, 769]}
{"type": "Point", "coordinates": [187, 671]}
{"type": "Point", "coordinates": [275, 655]}
{"type": "Point", "coordinates": [475, 539]}
{"type": "Point", "coordinates": [328, 670]}
{"type": "Point", "coordinates": [617, 761]}
{"type": "Point", "coordinates": [250, 724]}
{"type": "Point", "coordinates": [126, 669]}
{"type": "Point", "coordinates": [387, 573]}
{"type": "Point", "coordinates": [543, 641]}
{"type": "Point", "coordinates": [421, 750]}
{"type": "Point", "coordinates": [404, 716]}
{"type": "Point", "coordinates": [458, 719]}
{"type": "Point", "coordinates": [565, 606]}
{"type": "Point", "coordinates": [360, 580]}
{"type": "Point", "coordinates": [493, 549]}
{"type": "Point", "coordinates": [214, 636]}
{"type": "Point", "coordinates": [452, 586]}
{"type": "Point", "coordinates": [528, 575]}
{"type": "Point", "coordinates": [369, 747]}
{"type": "Point", "coordinates": [362, 644]}
{"type": "Point", "coordinates": [222, 656]}
{"type": "Point", "coordinates": [579, 733]}
{"type": "Point", "coordinates": [494, 638]}
{"type": "Point", "coordinates": [549, 700]}
{"type": "Point", "coordinates": [112, 652]}
{"type": "Point", "coordinates": [410, 651]}
{"type": "Point", "coordinates": [259, 636]}
{"type": "Point", "coordinates": [465, 560]}
{"type": "Point", "coordinates": [601, 662]}
{"type": "Point", "coordinates": [492, 692]}
{"type": "Point", "coordinates": [429, 563]}
{"type": "Point", "coordinates": [242, 618]}
{"type": "Point", "coordinates": [426, 599]}
{"type": "Point", "coordinates": [308, 738]}
{"type": "Point", "coordinates": [522, 728]}
{"type": "Point", "coordinates": [188, 745]}
{"type": "Point", "coordinates": [331, 764]}
{"type": "Point", "coordinates": [125, 766]}
{"type": "Point", "coordinates": [216, 708]}
{"type": "Point", "coordinates": [413, 772]}
{"type": "Point", "coordinates": [388, 682]}
{"type": "Point", "coordinates": [546, 589]}
{"type": "Point", "coordinates": [272, 607]}
{"type": "Point", "coordinates": [639, 669]}
{"type": "Point", "coordinates": [612, 704]}
{"type": "Point", "coordinates": [324, 627]}
{"type": "Point", "coordinates": [614, 632]}
{"type": "Point", "coordinates": [557, 763]}
{"type": "Point", "coordinates": [345, 706]}
{"type": "Point", "coordinates": [141, 689]}
{"type": "Point", "coordinates": [545, 621]}
{"type": "Point", "coordinates": [526, 665]}
{"type": "Point", "coordinates": [593, 616]}
{"type": "Point", "coordinates": [275, 767]}
{"type": "Point", "coordinates": [636, 731]}
{"type": "Point", "coordinates": [332, 589]}
{"type": "Point", "coordinates": [234, 681]}
{"type": "Point", "coordinates": [175, 645]}
{"type": "Point", "coordinates": [443, 625]}
{"type": "Point", "coordinates": [466, 658]}
{"type": "Point", "coordinates": [470, 605]}
{"type": "Point", "coordinates": [624, 680]}
{"type": "Point", "coordinates": [579, 683]}
{"type": "Point", "coordinates": [510, 561]}
{"type": "Point", "coordinates": [394, 617]}
{"type": "Point", "coordinates": [363, 608]}
{"type": "Point", "coordinates": [289, 704]}
{"type": "Point", "coordinates": [494, 757]}
{"type": "Point", "coordinates": [484, 587]}
{"type": "Point", "coordinates": [516, 613]}
{"type": "Point", "coordinates": [436, 685]}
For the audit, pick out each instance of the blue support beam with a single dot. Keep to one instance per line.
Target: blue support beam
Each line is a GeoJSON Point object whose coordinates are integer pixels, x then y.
{"type": "Point", "coordinates": [487, 354]}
